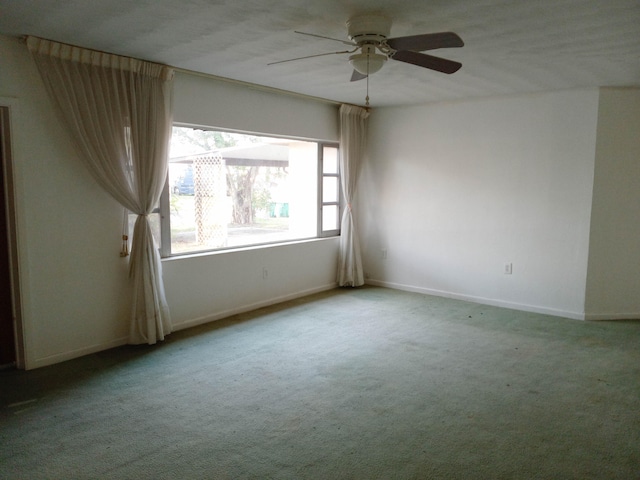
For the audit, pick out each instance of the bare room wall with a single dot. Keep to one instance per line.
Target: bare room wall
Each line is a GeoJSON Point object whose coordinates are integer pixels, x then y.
{"type": "Point", "coordinates": [452, 193]}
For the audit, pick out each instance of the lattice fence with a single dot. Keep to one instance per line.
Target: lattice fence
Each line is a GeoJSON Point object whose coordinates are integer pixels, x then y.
{"type": "Point", "coordinates": [211, 203]}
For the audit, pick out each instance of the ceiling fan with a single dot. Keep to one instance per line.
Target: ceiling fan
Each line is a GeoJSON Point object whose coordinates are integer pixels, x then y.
{"type": "Point", "coordinates": [371, 47]}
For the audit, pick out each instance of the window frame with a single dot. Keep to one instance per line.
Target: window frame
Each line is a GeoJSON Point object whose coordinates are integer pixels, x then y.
{"type": "Point", "coordinates": [164, 207]}
{"type": "Point", "coordinates": [321, 203]}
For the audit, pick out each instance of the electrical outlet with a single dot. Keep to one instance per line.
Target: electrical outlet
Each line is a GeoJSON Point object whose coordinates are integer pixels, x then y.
{"type": "Point", "coordinates": [508, 268]}
{"type": "Point", "coordinates": [383, 253]}
{"type": "Point", "coordinates": [265, 273]}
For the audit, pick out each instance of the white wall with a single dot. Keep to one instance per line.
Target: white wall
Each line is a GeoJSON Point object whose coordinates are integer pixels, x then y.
{"type": "Point", "coordinates": [73, 282]}
{"type": "Point", "coordinates": [613, 281]}
{"type": "Point", "coordinates": [200, 100]}
{"type": "Point", "coordinates": [207, 287]}
{"type": "Point", "coordinates": [75, 287]}
{"type": "Point", "coordinates": [454, 191]}
{"type": "Point", "coordinates": [204, 288]}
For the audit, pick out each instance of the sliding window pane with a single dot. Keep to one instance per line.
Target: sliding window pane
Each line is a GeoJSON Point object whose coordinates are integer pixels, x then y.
{"type": "Point", "coordinates": [330, 217]}
{"type": "Point", "coordinates": [329, 160]}
{"type": "Point", "coordinates": [330, 189]}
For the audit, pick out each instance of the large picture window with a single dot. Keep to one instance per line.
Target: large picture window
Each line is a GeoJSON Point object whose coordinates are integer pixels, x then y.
{"type": "Point", "coordinates": [230, 190]}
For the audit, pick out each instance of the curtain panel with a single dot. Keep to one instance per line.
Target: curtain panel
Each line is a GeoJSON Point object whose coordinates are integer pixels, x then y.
{"type": "Point", "coordinates": [353, 123]}
{"type": "Point", "coordinates": [118, 113]}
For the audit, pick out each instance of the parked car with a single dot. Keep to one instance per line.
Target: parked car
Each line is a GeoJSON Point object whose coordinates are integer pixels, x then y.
{"type": "Point", "coordinates": [184, 185]}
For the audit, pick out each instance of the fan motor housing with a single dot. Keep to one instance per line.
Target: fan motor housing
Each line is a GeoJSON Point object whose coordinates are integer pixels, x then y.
{"type": "Point", "coordinates": [368, 29]}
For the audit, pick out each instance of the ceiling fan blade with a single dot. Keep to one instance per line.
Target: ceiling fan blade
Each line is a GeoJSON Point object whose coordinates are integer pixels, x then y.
{"type": "Point", "coordinates": [356, 75]}
{"type": "Point", "coordinates": [427, 61]}
{"type": "Point", "coordinates": [310, 56]}
{"type": "Point", "coordinates": [326, 38]}
{"type": "Point", "coordinates": [427, 41]}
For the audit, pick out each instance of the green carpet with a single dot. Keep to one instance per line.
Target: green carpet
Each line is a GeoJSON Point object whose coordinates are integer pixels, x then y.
{"type": "Point", "coordinates": [366, 383]}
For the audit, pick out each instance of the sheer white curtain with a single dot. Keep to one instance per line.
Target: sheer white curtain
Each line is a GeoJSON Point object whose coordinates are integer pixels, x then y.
{"type": "Point", "coordinates": [118, 112]}
{"type": "Point", "coordinates": [353, 122]}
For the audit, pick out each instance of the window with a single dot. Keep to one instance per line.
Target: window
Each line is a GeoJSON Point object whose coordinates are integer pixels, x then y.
{"type": "Point", "coordinates": [228, 190]}
{"type": "Point", "coordinates": [330, 193]}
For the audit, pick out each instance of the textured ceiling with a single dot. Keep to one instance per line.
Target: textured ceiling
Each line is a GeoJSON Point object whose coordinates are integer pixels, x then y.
{"type": "Point", "coordinates": [511, 46]}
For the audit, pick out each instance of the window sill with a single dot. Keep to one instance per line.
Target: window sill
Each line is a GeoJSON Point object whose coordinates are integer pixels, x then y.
{"type": "Point", "coordinates": [209, 253]}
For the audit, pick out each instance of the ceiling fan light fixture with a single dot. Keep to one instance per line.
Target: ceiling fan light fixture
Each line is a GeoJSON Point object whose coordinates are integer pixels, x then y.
{"type": "Point", "coordinates": [367, 63]}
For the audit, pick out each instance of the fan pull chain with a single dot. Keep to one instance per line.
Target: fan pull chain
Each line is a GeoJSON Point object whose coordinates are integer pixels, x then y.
{"type": "Point", "coordinates": [366, 104]}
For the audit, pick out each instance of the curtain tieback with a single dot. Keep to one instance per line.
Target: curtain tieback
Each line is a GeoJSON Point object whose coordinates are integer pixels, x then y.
{"type": "Point", "coordinates": [125, 246]}
{"type": "Point", "coordinates": [124, 251]}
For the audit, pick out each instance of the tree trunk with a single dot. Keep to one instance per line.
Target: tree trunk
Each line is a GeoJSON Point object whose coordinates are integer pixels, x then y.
{"type": "Point", "coordinates": [240, 181]}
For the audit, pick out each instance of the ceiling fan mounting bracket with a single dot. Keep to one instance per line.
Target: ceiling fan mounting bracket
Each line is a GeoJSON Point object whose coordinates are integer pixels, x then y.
{"type": "Point", "coordinates": [370, 29]}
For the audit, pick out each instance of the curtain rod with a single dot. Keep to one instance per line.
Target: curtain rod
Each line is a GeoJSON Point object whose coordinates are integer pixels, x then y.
{"type": "Point", "coordinates": [254, 86]}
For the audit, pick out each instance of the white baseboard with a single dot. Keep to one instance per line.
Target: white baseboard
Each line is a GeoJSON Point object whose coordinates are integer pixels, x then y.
{"type": "Point", "coordinates": [249, 307]}
{"type": "Point", "coordinates": [64, 356]}
{"type": "Point", "coordinates": [61, 357]}
{"type": "Point", "coordinates": [612, 316]}
{"type": "Point", "coordinates": [482, 300]}
{"type": "Point", "coordinates": [81, 352]}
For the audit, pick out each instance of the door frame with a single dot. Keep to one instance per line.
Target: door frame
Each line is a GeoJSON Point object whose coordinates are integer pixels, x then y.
{"type": "Point", "coordinates": [8, 107]}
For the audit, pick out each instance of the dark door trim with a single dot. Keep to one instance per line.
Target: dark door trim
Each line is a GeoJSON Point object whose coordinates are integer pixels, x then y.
{"type": "Point", "coordinates": [7, 107]}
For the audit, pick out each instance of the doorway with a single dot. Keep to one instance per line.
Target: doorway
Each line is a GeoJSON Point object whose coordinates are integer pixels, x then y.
{"type": "Point", "coordinates": [10, 347]}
